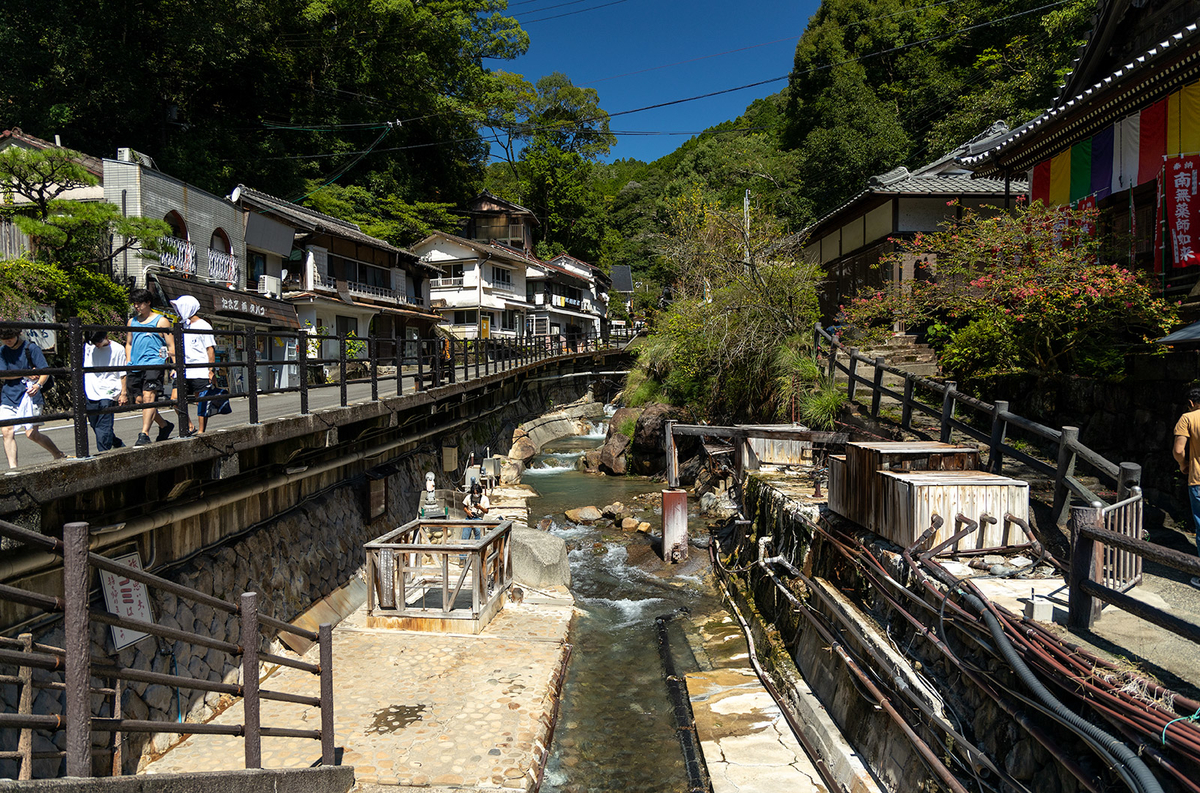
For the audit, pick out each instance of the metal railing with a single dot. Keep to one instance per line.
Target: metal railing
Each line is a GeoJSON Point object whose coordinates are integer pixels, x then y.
{"type": "Point", "coordinates": [1067, 451]}
{"type": "Point", "coordinates": [178, 255]}
{"type": "Point", "coordinates": [412, 563]}
{"type": "Point", "coordinates": [416, 364]}
{"type": "Point", "coordinates": [447, 283]}
{"type": "Point", "coordinates": [77, 666]}
{"type": "Point", "coordinates": [223, 267]}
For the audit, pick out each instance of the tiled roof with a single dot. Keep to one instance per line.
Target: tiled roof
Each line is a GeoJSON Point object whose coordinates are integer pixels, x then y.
{"type": "Point", "coordinates": [1152, 58]}
{"type": "Point", "coordinates": [313, 220]}
{"type": "Point", "coordinates": [486, 248]}
{"type": "Point", "coordinates": [93, 165]}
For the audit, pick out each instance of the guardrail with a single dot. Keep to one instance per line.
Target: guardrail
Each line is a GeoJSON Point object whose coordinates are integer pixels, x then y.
{"type": "Point", "coordinates": [78, 666]}
{"type": "Point", "coordinates": [416, 363]}
{"type": "Point", "coordinates": [946, 400]}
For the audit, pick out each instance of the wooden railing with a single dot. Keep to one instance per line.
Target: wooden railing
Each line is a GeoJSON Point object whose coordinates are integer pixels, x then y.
{"type": "Point", "coordinates": [412, 562]}
{"type": "Point", "coordinates": [77, 666]}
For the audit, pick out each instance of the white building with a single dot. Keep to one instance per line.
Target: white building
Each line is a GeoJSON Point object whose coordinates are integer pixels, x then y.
{"type": "Point", "coordinates": [569, 297]}
{"type": "Point", "coordinates": [482, 292]}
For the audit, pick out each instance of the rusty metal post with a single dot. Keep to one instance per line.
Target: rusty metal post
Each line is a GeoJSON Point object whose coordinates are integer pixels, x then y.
{"type": "Point", "coordinates": [906, 407]}
{"type": "Point", "coordinates": [419, 385]}
{"type": "Point", "coordinates": [302, 365]}
{"type": "Point", "coordinates": [398, 341]}
{"type": "Point", "coordinates": [1085, 560]}
{"type": "Point", "coordinates": [181, 409]}
{"type": "Point", "coordinates": [342, 369]}
{"type": "Point", "coordinates": [251, 374]}
{"type": "Point", "coordinates": [852, 366]}
{"type": "Point", "coordinates": [250, 702]}
{"type": "Point", "coordinates": [78, 395]}
{"type": "Point", "coordinates": [115, 737]}
{"type": "Point", "coordinates": [466, 362]}
{"type": "Point", "coordinates": [672, 454]}
{"type": "Point", "coordinates": [325, 639]}
{"type": "Point", "coordinates": [77, 673]}
{"type": "Point", "coordinates": [373, 361]}
{"type": "Point", "coordinates": [948, 410]}
{"type": "Point", "coordinates": [675, 528]}
{"type": "Point", "coordinates": [1066, 467]}
{"type": "Point", "coordinates": [451, 368]}
{"type": "Point", "coordinates": [25, 708]}
{"type": "Point", "coordinates": [877, 392]}
{"type": "Point", "coordinates": [995, 462]}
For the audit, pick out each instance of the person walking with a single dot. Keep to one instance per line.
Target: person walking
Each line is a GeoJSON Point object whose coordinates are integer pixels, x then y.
{"type": "Point", "coordinates": [148, 349]}
{"type": "Point", "coordinates": [1186, 452]}
{"type": "Point", "coordinates": [103, 389]}
{"type": "Point", "coordinates": [476, 505]}
{"type": "Point", "coordinates": [199, 353]}
{"type": "Point", "coordinates": [21, 395]}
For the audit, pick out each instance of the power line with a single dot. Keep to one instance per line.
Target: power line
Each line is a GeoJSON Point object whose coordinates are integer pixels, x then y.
{"type": "Point", "coordinates": [573, 13]}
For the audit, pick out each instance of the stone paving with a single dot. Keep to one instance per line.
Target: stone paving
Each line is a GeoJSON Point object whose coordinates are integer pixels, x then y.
{"type": "Point", "coordinates": [419, 709]}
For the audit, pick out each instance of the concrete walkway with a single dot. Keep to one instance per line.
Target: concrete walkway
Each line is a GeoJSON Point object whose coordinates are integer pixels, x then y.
{"type": "Point", "coordinates": [420, 710]}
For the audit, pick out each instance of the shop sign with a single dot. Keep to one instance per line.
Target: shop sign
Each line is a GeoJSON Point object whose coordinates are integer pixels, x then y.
{"type": "Point", "coordinates": [126, 598]}
{"type": "Point", "coordinates": [239, 303]}
{"type": "Point", "coordinates": [47, 340]}
{"type": "Point", "coordinates": [1182, 182]}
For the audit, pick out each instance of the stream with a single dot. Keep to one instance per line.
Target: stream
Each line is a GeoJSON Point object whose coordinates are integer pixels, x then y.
{"type": "Point", "coordinates": [616, 730]}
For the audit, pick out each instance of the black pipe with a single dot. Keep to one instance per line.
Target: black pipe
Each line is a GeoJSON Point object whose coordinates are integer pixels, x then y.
{"type": "Point", "coordinates": [685, 720]}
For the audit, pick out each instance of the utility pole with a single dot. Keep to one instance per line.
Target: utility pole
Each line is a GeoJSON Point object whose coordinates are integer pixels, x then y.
{"type": "Point", "coordinates": [746, 220]}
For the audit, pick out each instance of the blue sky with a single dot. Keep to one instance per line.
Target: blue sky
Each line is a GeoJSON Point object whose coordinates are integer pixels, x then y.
{"type": "Point", "coordinates": [597, 46]}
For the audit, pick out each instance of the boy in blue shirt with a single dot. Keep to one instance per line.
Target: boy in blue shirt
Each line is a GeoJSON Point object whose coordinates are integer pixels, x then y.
{"type": "Point", "coordinates": [21, 395]}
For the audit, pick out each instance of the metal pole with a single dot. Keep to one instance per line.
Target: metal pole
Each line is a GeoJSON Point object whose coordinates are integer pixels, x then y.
{"type": "Point", "coordinates": [302, 364]}
{"type": "Point", "coordinates": [78, 395]}
{"type": "Point", "coordinates": [419, 385]}
{"type": "Point", "coordinates": [77, 673]}
{"type": "Point", "coordinates": [947, 410]}
{"type": "Point", "coordinates": [250, 703]}
{"type": "Point", "coordinates": [181, 409]}
{"type": "Point", "coordinates": [877, 392]}
{"type": "Point", "coordinates": [906, 408]}
{"type": "Point", "coordinates": [996, 445]}
{"type": "Point", "coordinates": [437, 363]}
{"type": "Point", "coordinates": [399, 342]}
{"type": "Point", "coordinates": [451, 368]}
{"type": "Point", "coordinates": [25, 708]}
{"type": "Point", "coordinates": [251, 373]}
{"type": "Point", "coordinates": [342, 369]}
{"type": "Point", "coordinates": [325, 639]}
{"type": "Point", "coordinates": [466, 362]}
{"type": "Point", "coordinates": [373, 362]}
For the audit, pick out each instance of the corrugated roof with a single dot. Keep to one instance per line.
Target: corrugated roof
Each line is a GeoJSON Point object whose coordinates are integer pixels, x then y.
{"type": "Point", "coordinates": [1168, 47]}
{"type": "Point", "coordinates": [94, 165]}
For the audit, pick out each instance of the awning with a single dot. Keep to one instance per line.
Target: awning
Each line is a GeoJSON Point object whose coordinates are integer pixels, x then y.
{"type": "Point", "coordinates": [1184, 335]}
{"type": "Point", "coordinates": [230, 304]}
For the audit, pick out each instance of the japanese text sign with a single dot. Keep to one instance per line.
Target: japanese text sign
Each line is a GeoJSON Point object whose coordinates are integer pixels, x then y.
{"type": "Point", "coordinates": [126, 598]}
{"type": "Point", "coordinates": [1181, 186]}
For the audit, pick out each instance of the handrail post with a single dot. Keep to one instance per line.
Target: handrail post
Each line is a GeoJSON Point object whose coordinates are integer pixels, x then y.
{"type": "Point", "coordinates": [995, 462]}
{"type": "Point", "coordinates": [437, 363]}
{"type": "Point", "coordinates": [78, 394]}
{"type": "Point", "coordinates": [947, 410]}
{"type": "Point", "coordinates": [451, 369]}
{"type": "Point", "coordinates": [181, 408]}
{"type": "Point", "coordinates": [399, 343]}
{"type": "Point", "coordinates": [250, 702]}
{"type": "Point", "coordinates": [419, 385]}
{"type": "Point", "coordinates": [466, 362]}
{"type": "Point", "coordinates": [832, 359]}
{"type": "Point", "coordinates": [25, 708]}
{"type": "Point", "coordinates": [251, 375]}
{"type": "Point", "coordinates": [302, 363]}
{"type": "Point", "coordinates": [852, 367]}
{"type": "Point", "coordinates": [1085, 552]}
{"type": "Point", "coordinates": [672, 454]}
{"type": "Point", "coordinates": [877, 388]}
{"type": "Point", "coordinates": [76, 644]}
{"type": "Point", "coordinates": [1129, 476]}
{"type": "Point", "coordinates": [342, 369]}
{"type": "Point", "coordinates": [906, 407]}
{"type": "Point", "coordinates": [817, 338]}
{"type": "Point", "coordinates": [325, 640]}
{"type": "Point", "coordinates": [1066, 467]}
{"type": "Point", "coordinates": [372, 361]}
{"type": "Point", "coordinates": [475, 346]}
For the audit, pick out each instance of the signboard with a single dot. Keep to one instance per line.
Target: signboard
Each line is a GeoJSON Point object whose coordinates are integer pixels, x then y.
{"type": "Point", "coordinates": [128, 599]}
{"type": "Point", "coordinates": [239, 303]}
{"type": "Point", "coordinates": [1182, 183]}
{"type": "Point", "coordinates": [47, 340]}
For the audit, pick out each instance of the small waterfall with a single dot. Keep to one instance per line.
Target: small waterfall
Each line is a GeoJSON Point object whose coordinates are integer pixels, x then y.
{"type": "Point", "coordinates": [554, 463]}
{"type": "Point", "coordinates": [597, 431]}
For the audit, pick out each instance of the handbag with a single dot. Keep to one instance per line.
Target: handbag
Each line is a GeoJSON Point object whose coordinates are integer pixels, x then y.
{"type": "Point", "coordinates": [216, 406]}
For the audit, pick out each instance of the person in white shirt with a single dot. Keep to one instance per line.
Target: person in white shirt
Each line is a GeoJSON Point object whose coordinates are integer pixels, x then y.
{"type": "Point", "coordinates": [199, 354]}
{"type": "Point", "coordinates": [103, 389]}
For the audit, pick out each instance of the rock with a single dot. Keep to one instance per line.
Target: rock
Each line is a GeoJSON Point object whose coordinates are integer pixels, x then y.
{"type": "Point", "coordinates": [717, 506]}
{"type": "Point", "coordinates": [158, 697]}
{"type": "Point", "coordinates": [511, 470]}
{"type": "Point", "coordinates": [583, 515]}
{"type": "Point", "coordinates": [629, 524]}
{"type": "Point", "coordinates": [590, 461]}
{"type": "Point", "coordinates": [522, 450]}
{"type": "Point", "coordinates": [702, 541]}
{"type": "Point", "coordinates": [649, 441]}
{"type": "Point", "coordinates": [613, 511]}
{"type": "Point", "coordinates": [545, 523]}
{"type": "Point", "coordinates": [539, 559]}
{"type": "Point", "coordinates": [644, 527]}
{"type": "Point", "coordinates": [620, 419]}
{"type": "Point", "coordinates": [1021, 761]}
{"type": "Point", "coordinates": [612, 454]}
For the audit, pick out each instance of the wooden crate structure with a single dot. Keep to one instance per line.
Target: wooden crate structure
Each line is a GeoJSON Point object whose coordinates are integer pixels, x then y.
{"type": "Point", "coordinates": [894, 489]}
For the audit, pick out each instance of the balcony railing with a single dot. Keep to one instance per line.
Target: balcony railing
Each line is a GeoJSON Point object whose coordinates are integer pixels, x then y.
{"type": "Point", "coordinates": [223, 267]}
{"type": "Point", "coordinates": [502, 286]}
{"type": "Point", "coordinates": [178, 255]}
{"type": "Point", "coordinates": [370, 291]}
{"type": "Point", "coordinates": [447, 283]}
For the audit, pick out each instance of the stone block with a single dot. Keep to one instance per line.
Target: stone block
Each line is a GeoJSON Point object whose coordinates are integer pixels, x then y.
{"type": "Point", "coordinates": [539, 559]}
{"type": "Point", "coordinates": [158, 697]}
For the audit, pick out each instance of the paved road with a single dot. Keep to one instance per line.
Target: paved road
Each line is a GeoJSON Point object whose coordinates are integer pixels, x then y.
{"type": "Point", "coordinates": [270, 406]}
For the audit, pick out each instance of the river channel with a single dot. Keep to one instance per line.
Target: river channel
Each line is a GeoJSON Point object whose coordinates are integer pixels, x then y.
{"type": "Point", "coordinates": [616, 731]}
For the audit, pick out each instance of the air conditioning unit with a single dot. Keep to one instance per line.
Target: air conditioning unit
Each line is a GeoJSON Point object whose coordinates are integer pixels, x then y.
{"type": "Point", "coordinates": [270, 285]}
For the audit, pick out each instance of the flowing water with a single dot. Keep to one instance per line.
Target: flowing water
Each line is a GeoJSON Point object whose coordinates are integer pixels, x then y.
{"type": "Point", "coordinates": [616, 730]}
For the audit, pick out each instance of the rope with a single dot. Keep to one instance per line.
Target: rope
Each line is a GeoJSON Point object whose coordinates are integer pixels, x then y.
{"type": "Point", "coordinates": [1194, 717]}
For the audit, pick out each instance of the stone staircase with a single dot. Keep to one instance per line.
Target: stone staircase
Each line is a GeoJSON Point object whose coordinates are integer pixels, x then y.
{"type": "Point", "coordinates": [902, 351]}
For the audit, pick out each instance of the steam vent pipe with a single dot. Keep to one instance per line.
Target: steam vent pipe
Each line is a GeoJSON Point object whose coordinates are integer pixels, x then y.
{"type": "Point", "coordinates": [675, 528]}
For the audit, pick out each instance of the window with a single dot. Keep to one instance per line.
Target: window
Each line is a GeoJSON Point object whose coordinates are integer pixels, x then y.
{"type": "Point", "coordinates": [509, 320]}
{"type": "Point", "coordinates": [219, 242]}
{"type": "Point", "coordinates": [359, 273]}
{"type": "Point", "coordinates": [502, 276]}
{"type": "Point", "coordinates": [178, 227]}
{"type": "Point", "coordinates": [465, 317]}
{"type": "Point", "coordinates": [346, 325]}
{"type": "Point", "coordinates": [258, 266]}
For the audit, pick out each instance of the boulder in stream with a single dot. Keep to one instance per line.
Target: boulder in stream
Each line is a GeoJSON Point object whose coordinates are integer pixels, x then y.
{"type": "Point", "coordinates": [614, 511]}
{"type": "Point", "coordinates": [612, 454]}
{"type": "Point", "coordinates": [539, 559]}
{"type": "Point", "coordinates": [523, 449]}
{"type": "Point", "coordinates": [630, 524]}
{"type": "Point", "coordinates": [583, 515]}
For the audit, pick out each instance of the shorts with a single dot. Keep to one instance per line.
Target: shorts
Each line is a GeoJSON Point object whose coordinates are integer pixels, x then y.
{"type": "Point", "coordinates": [27, 409]}
{"type": "Point", "coordinates": [194, 385]}
{"type": "Point", "coordinates": [140, 380]}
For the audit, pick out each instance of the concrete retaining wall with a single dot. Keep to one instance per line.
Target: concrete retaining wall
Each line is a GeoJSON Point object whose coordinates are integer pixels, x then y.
{"type": "Point", "coordinates": [333, 779]}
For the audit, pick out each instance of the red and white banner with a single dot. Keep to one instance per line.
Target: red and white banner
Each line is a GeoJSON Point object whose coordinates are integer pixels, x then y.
{"type": "Point", "coordinates": [1088, 225]}
{"type": "Point", "coordinates": [1182, 185]}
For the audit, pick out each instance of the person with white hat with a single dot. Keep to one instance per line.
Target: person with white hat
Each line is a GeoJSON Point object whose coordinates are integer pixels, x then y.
{"type": "Point", "coordinates": [199, 356]}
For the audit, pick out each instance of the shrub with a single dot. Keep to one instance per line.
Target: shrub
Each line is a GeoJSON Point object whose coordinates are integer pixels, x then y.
{"type": "Point", "coordinates": [820, 407]}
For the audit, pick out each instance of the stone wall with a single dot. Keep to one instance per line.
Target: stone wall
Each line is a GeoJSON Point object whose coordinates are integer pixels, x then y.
{"type": "Point", "coordinates": [530, 436]}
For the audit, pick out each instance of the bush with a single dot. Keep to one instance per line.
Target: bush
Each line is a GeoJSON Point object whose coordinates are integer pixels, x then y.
{"type": "Point", "coordinates": [982, 347]}
{"type": "Point", "coordinates": [820, 407]}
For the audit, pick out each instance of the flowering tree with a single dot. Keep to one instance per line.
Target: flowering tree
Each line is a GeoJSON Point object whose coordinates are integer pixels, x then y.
{"type": "Point", "coordinates": [1022, 290]}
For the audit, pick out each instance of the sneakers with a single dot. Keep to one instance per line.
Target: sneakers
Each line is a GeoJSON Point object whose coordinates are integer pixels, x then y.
{"type": "Point", "coordinates": [187, 433]}
{"type": "Point", "coordinates": [142, 440]}
{"type": "Point", "coordinates": [164, 431]}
